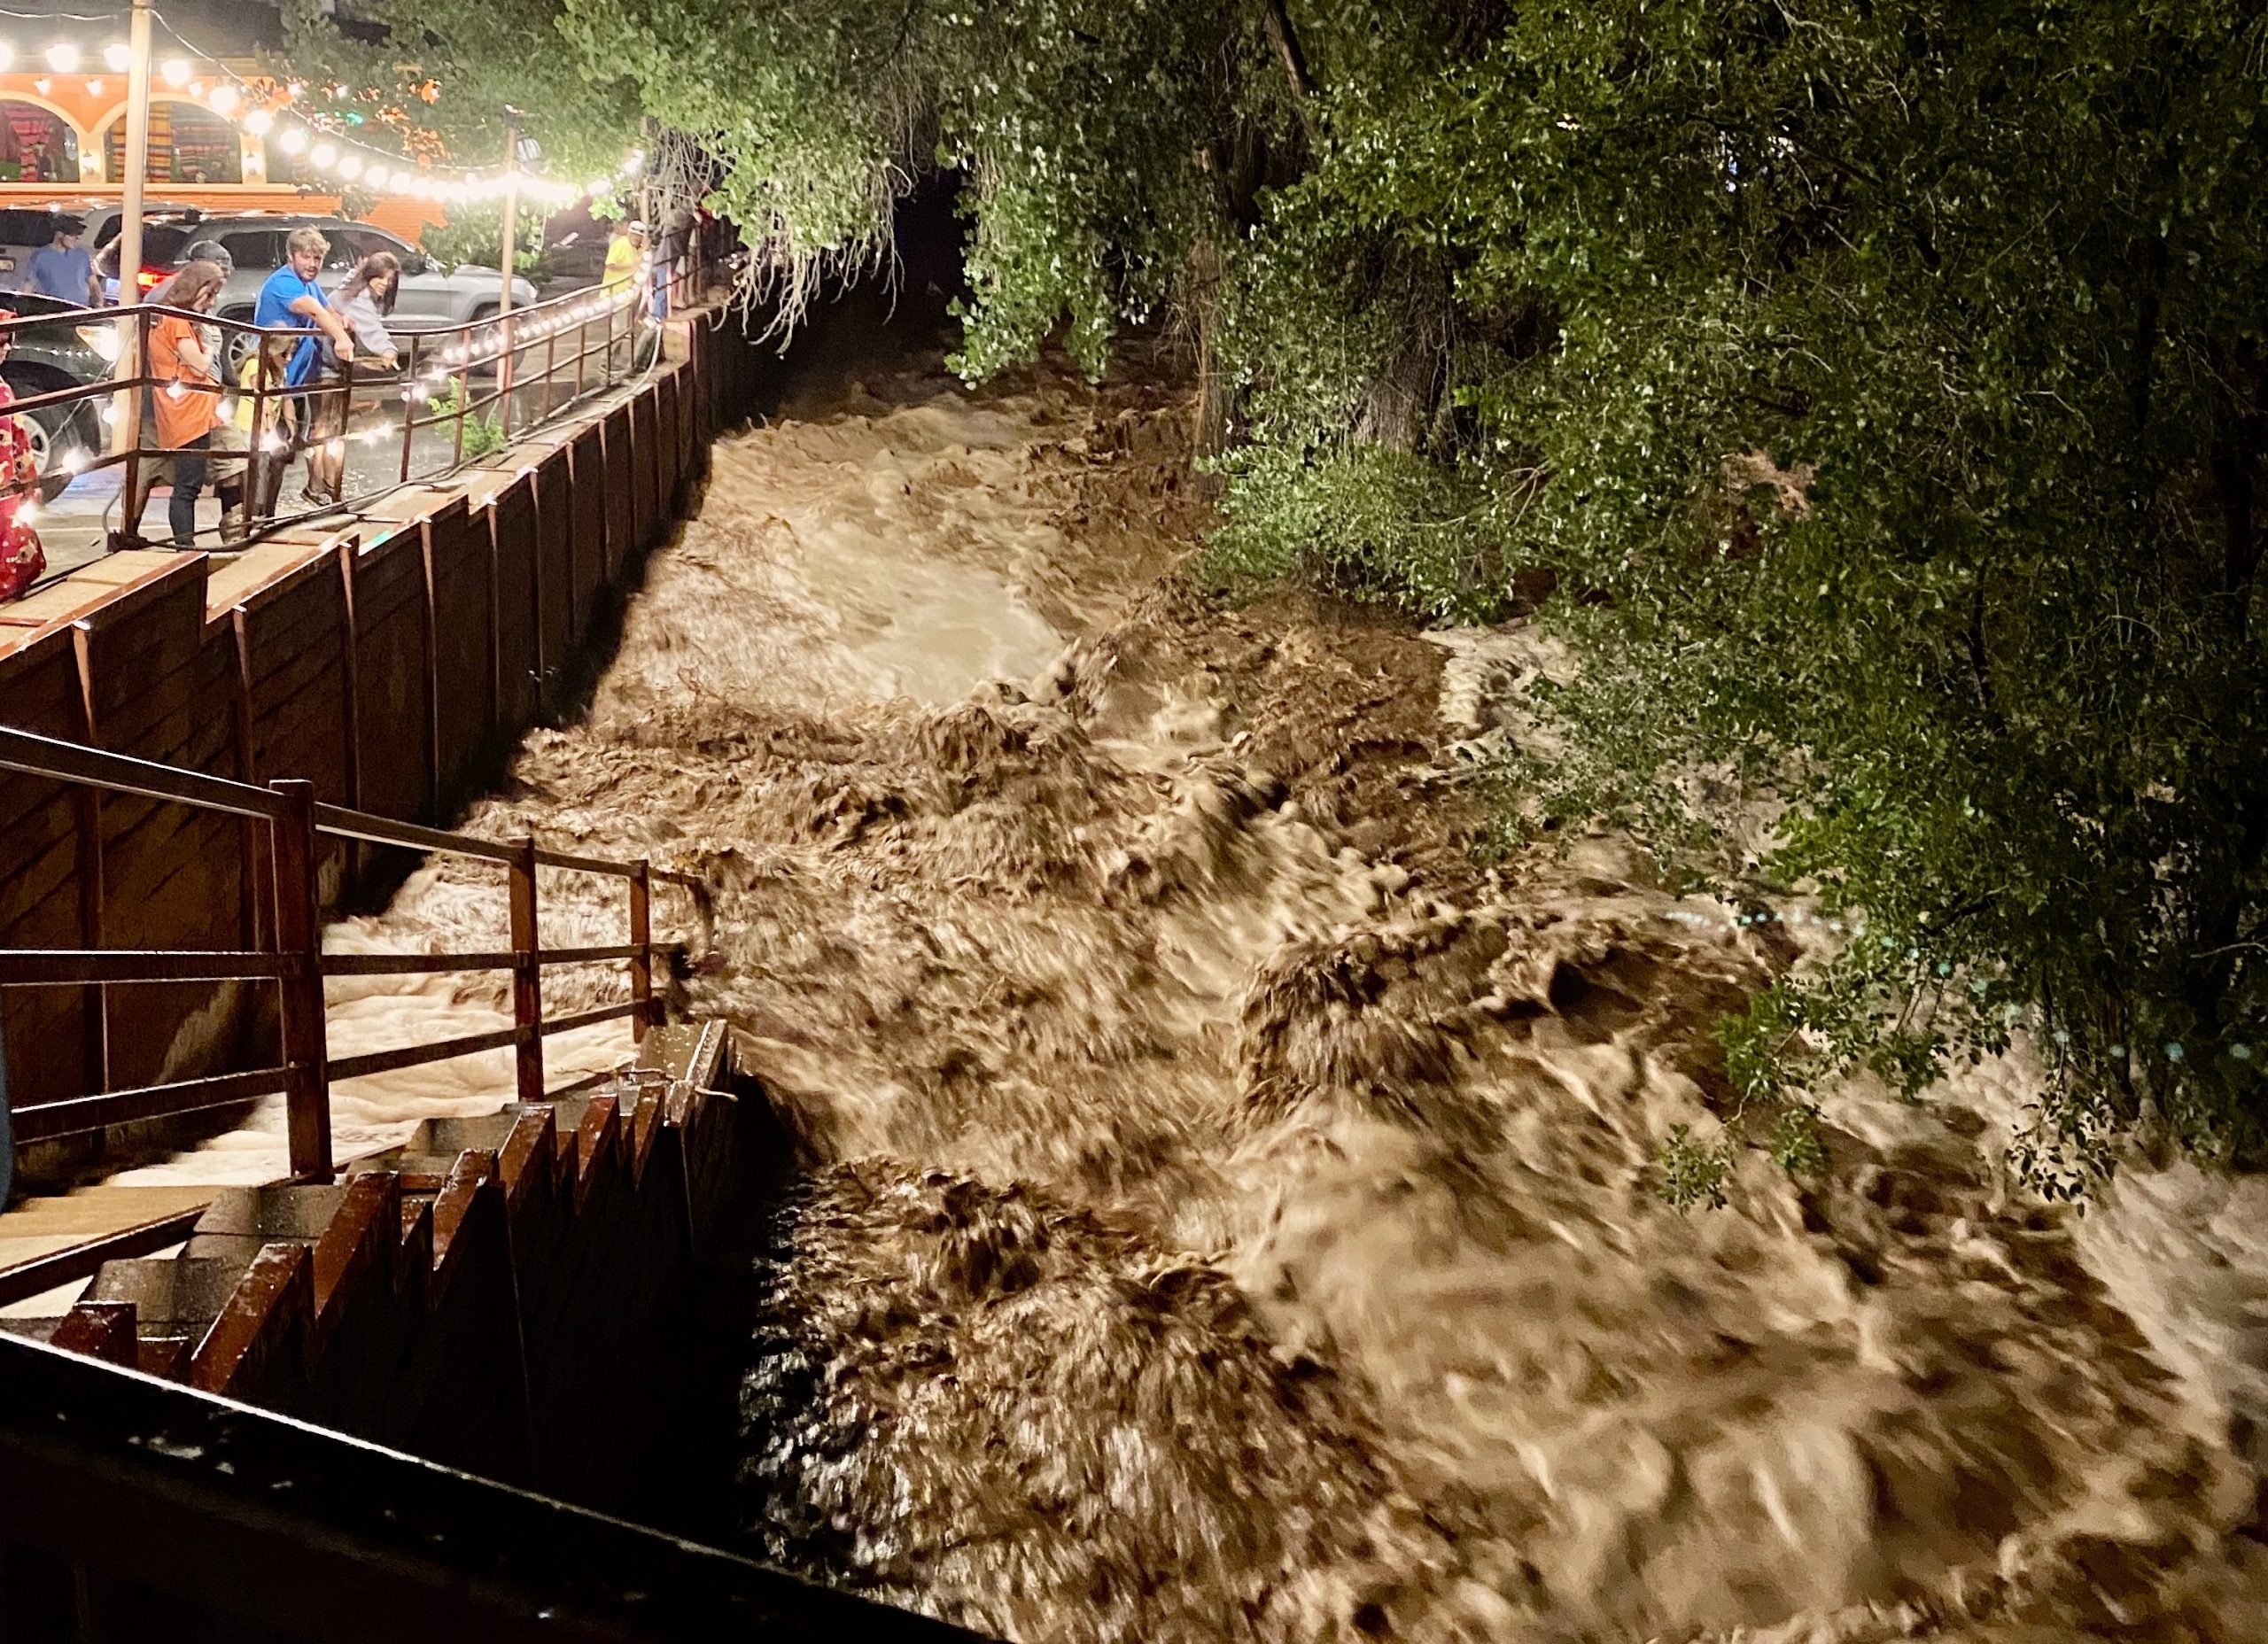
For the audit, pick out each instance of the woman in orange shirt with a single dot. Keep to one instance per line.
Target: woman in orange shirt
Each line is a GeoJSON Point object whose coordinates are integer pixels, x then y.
{"type": "Point", "coordinates": [187, 398]}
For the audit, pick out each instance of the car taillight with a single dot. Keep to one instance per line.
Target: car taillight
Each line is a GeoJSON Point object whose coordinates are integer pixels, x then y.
{"type": "Point", "coordinates": [150, 279]}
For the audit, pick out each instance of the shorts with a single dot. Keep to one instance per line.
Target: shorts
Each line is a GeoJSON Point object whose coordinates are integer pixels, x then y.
{"type": "Point", "coordinates": [200, 462]}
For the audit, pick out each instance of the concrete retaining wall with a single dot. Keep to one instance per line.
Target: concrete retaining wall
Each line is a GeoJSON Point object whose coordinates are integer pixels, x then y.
{"type": "Point", "coordinates": [393, 664]}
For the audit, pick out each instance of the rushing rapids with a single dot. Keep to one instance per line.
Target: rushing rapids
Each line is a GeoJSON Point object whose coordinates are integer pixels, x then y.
{"type": "Point", "coordinates": [1228, 1208]}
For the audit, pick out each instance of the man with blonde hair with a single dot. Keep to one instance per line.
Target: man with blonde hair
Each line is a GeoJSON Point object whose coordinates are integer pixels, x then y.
{"type": "Point", "coordinates": [292, 298]}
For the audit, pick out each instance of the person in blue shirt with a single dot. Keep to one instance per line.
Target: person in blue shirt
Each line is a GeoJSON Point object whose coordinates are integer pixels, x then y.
{"type": "Point", "coordinates": [63, 268]}
{"type": "Point", "coordinates": [290, 298]}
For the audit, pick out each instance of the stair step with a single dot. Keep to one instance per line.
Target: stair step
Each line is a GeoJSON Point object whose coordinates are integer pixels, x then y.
{"type": "Point", "coordinates": [241, 1219]}
{"type": "Point", "coordinates": [169, 1296]}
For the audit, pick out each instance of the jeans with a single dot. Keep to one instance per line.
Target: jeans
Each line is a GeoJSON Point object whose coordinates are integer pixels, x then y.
{"type": "Point", "coordinates": [189, 484]}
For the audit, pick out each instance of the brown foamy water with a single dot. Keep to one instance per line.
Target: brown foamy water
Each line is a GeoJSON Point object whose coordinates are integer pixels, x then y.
{"type": "Point", "coordinates": [1229, 1210]}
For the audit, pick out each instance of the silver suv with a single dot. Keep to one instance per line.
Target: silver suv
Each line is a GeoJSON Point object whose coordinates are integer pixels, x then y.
{"type": "Point", "coordinates": [432, 296]}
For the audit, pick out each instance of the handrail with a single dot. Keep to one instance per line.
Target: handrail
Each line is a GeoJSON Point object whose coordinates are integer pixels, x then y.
{"type": "Point", "coordinates": [600, 322]}
{"type": "Point", "coordinates": [297, 966]}
{"type": "Point", "coordinates": [32, 754]}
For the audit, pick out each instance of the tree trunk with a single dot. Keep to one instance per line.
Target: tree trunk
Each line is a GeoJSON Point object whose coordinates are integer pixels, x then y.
{"type": "Point", "coordinates": [1285, 39]}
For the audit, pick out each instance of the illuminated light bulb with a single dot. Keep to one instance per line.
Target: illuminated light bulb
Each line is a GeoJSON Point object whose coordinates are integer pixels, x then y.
{"type": "Point", "coordinates": [43, 85]}
{"type": "Point", "coordinates": [598, 188]}
{"type": "Point", "coordinates": [63, 58]}
{"type": "Point", "coordinates": [26, 513]}
{"type": "Point", "coordinates": [224, 100]}
{"type": "Point", "coordinates": [110, 416]}
{"type": "Point", "coordinates": [74, 462]}
{"type": "Point", "coordinates": [334, 447]}
{"type": "Point", "coordinates": [7, 54]}
{"type": "Point", "coordinates": [293, 141]}
{"type": "Point", "coordinates": [350, 167]}
{"type": "Point", "coordinates": [174, 71]}
{"type": "Point", "coordinates": [257, 120]}
{"type": "Point", "coordinates": [177, 390]}
{"type": "Point", "coordinates": [272, 442]}
{"type": "Point", "coordinates": [321, 156]}
{"type": "Point", "coordinates": [197, 88]}
{"type": "Point", "coordinates": [120, 56]}
{"type": "Point", "coordinates": [295, 88]}
{"type": "Point", "coordinates": [377, 177]}
{"type": "Point", "coordinates": [228, 410]}
{"type": "Point", "coordinates": [637, 158]}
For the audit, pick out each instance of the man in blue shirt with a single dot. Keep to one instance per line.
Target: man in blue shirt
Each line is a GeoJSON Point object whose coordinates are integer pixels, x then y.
{"type": "Point", "coordinates": [62, 268]}
{"type": "Point", "coordinates": [292, 298]}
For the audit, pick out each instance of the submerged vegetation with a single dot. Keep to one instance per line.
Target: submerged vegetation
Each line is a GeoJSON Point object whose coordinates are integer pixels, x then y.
{"type": "Point", "coordinates": [1871, 391]}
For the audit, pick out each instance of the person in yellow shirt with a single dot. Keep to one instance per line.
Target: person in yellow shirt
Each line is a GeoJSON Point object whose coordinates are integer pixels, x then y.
{"type": "Point", "coordinates": [623, 252]}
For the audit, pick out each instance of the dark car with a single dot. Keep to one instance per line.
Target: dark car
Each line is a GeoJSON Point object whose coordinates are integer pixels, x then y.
{"type": "Point", "coordinates": [63, 352]}
{"type": "Point", "coordinates": [162, 245]}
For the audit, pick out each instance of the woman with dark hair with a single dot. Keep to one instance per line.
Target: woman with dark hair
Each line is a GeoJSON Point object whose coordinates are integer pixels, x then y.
{"type": "Point", "coordinates": [187, 399]}
{"type": "Point", "coordinates": [362, 301]}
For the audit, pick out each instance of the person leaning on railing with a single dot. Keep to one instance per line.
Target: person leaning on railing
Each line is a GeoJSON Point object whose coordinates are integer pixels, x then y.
{"type": "Point", "coordinates": [292, 298]}
{"type": "Point", "coordinates": [186, 397]}
{"type": "Point", "coordinates": [21, 558]}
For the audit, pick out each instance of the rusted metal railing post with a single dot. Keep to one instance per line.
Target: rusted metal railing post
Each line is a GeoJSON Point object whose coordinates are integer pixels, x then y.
{"type": "Point", "coordinates": [642, 937]}
{"type": "Point", "coordinates": [408, 405]}
{"type": "Point", "coordinates": [299, 932]}
{"type": "Point", "coordinates": [550, 368]}
{"type": "Point", "coordinates": [464, 390]}
{"type": "Point", "coordinates": [527, 975]}
{"type": "Point", "coordinates": [131, 415]}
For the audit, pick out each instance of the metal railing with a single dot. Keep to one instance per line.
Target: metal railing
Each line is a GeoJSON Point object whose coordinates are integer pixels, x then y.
{"type": "Point", "coordinates": [483, 383]}
{"type": "Point", "coordinates": [295, 823]}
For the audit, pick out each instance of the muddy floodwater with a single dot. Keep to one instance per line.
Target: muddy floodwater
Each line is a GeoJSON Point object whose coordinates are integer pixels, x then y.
{"type": "Point", "coordinates": [1227, 1208]}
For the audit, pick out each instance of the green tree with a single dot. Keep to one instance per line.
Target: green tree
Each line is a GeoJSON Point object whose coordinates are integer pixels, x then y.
{"type": "Point", "coordinates": [1989, 276]}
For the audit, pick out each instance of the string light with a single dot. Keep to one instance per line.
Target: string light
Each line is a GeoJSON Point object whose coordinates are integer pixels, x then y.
{"type": "Point", "coordinates": [252, 108]}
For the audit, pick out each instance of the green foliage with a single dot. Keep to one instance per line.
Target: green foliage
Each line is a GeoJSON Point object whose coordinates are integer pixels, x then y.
{"type": "Point", "coordinates": [1080, 127]}
{"type": "Point", "coordinates": [1694, 1173]}
{"type": "Point", "coordinates": [483, 60]}
{"type": "Point", "coordinates": [475, 234]}
{"type": "Point", "coordinates": [484, 432]}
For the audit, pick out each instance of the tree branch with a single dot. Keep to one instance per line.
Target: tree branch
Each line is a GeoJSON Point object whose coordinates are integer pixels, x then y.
{"type": "Point", "coordinates": [1285, 39]}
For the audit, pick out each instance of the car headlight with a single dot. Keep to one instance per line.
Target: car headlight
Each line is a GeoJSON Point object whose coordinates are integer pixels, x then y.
{"type": "Point", "coordinates": [102, 338]}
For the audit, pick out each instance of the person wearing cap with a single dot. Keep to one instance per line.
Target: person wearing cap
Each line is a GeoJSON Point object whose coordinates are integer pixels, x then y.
{"type": "Point", "coordinates": [21, 558]}
{"type": "Point", "coordinates": [622, 253]}
{"type": "Point", "coordinates": [62, 268]}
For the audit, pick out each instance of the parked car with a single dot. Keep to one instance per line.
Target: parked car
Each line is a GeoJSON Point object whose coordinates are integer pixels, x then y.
{"type": "Point", "coordinates": [66, 352]}
{"type": "Point", "coordinates": [25, 229]}
{"type": "Point", "coordinates": [163, 242]}
{"type": "Point", "coordinates": [432, 296]}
